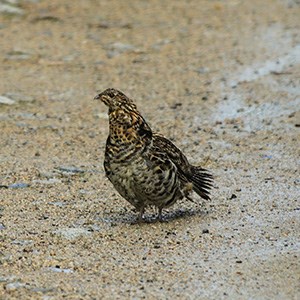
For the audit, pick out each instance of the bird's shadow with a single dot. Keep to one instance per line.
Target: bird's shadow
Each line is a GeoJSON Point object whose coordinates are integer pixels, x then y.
{"type": "Point", "coordinates": [151, 218]}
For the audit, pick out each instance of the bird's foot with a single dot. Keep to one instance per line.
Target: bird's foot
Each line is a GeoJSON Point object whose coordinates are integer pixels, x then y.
{"type": "Point", "coordinates": [159, 215]}
{"type": "Point", "coordinates": [141, 215]}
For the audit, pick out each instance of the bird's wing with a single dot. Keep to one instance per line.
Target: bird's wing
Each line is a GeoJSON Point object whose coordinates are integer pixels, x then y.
{"type": "Point", "coordinates": [201, 178]}
{"type": "Point", "coordinates": [174, 153]}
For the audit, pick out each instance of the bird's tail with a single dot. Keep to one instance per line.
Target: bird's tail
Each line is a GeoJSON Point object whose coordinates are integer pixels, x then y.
{"type": "Point", "coordinates": [202, 182]}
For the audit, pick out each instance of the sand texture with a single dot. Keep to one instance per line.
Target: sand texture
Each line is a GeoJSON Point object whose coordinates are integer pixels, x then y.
{"type": "Point", "coordinates": [221, 79]}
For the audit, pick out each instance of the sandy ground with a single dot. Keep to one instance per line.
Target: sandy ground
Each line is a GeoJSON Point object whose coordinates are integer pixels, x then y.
{"type": "Point", "coordinates": [220, 78]}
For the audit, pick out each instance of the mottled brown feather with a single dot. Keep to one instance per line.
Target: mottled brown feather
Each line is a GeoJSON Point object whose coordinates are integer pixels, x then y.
{"type": "Point", "coordinates": [145, 167]}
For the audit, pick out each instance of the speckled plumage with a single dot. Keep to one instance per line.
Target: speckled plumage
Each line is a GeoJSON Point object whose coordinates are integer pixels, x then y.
{"type": "Point", "coordinates": [145, 167]}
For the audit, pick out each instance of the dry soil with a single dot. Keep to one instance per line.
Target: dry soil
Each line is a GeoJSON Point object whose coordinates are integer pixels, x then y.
{"type": "Point", "coordinates": [219, 78]}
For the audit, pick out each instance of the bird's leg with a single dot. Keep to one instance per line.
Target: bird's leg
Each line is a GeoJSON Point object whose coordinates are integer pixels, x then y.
{"type": "Point", "coordinates": [189, 198]}
{"type": "Point", "coordinates": [159, 216]}
{"type": "Point", "coordinates": [141, 213]}
{"type": "Point", "coordinates": [185, 192]}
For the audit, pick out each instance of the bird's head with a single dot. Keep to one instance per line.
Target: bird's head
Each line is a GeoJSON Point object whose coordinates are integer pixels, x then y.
{"type": "Point", "coordinates": [115, 100]}
{"type": "Point", "coordinates": [124, 118]}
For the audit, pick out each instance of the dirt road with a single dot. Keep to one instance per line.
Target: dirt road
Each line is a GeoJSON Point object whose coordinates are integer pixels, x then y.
{"type": "Point", "coordinates": [220, 78]}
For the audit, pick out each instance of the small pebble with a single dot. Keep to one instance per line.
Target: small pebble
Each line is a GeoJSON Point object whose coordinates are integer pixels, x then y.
{"type": "Point", "coordinates": [59, 270]}
{"type": "Point", "coordinates": [14, 285]}
{"type": "Point", "coordinates": [6, 100]}
{"type": "Point", "coordinates": [47, 181]}
{"type": "Point", "coordinates": [6, 8]}
{"type": "Point", "coordinates": [69, 170]}
{"type": "Point", "coordinates": [72, 233]}
{"type": "Point", "coordinates": [118, 48]}
{"type": "Point", "coordinates": [19, 185]}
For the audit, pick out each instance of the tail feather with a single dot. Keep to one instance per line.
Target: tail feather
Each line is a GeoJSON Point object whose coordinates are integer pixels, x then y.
{"type": "Point", "coordinates": [202, 182]}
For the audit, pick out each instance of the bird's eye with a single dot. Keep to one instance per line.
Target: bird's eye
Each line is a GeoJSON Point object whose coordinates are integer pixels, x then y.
{"type": "Point", "coordinates": [111, 94]}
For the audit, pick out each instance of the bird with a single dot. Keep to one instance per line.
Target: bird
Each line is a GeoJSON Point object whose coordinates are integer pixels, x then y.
{"type": "Point", "coordinates": [145, 167]}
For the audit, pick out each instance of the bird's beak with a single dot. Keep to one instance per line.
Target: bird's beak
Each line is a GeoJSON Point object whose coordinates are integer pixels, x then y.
{"type": "Point", "coordinates": [97, 97]}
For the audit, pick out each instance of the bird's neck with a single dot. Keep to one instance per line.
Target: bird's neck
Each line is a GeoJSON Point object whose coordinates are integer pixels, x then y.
{"type": "Point", "coordinates": [124, 128]}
